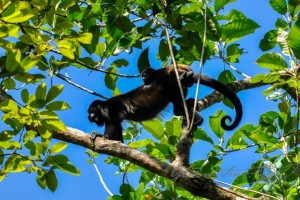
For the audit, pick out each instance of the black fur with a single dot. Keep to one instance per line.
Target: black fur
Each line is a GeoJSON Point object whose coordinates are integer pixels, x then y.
{"type": "Point", "coordinates": [147, 101]}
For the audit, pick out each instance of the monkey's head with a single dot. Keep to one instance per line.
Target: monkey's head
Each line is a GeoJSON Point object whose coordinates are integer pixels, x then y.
{"type": "Point", "coordinates": [148, 75]}
{"type": "Point", "coordinates": [96, 112]}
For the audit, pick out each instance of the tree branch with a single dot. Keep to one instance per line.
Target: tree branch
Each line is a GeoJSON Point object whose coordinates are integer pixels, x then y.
{"type": "Point", "coordinates": [197, 185]}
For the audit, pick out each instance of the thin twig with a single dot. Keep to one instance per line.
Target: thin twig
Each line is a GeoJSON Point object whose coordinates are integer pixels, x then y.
{"type": "Point", "coordinates": [79, 86]}
{"type": "Point", "coordinates": [200, 68]}
{"type": "Point", "coordinates": [237, 71]}
{"type": "Point", "coordinates": [174, 63]}
{"type": "Point", "coordinates": [101, 178]}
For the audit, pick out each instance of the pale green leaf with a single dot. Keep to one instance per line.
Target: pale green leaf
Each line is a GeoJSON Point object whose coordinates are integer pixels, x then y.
{"type": "Point", "coordinates": [155, 127]}
{"type": "Point", "coordinates": [58, 147]}
{"type": "Point", "coordinates": [85, 38]}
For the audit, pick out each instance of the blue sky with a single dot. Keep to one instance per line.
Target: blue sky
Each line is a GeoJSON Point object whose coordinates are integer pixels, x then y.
{"type": "Point", "coordinates": [87, 186]}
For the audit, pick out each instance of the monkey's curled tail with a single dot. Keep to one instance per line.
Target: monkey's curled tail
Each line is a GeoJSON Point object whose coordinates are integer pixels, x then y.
{"type": "Point", "coordinates": [226, 91]}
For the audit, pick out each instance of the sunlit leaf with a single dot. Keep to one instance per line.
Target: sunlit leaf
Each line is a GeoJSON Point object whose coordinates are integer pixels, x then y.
{"type": "Point", "coordinates": [58, 147]}
{"type": "Point", "coordinates": [293, 38]}
{"type": "Point", "coordinates": [279, 6]}
{"type": "Point", "coordinates": [215, 123]}
{"type": "Point", "coordinates": [54, 92]}
{"type": "Point", "coordinates": [219, 4]}
{"type": "Point", "coordinates": [237, 29]}
{"type": "Point", "coordinates": [272, 61]}
{"type": "Point", "coordinates": [57, 105]}
{"type": "Point", "coordinates": [155, 127]}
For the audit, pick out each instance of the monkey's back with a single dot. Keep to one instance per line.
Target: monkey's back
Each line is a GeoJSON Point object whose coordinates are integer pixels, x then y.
{"type": "Point", "coordinates": [142, 103]}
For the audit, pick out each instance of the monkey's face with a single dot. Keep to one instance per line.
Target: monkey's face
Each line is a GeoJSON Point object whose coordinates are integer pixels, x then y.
{"type": "Point", "coordinates": [148, 75]}
{"type": "Point", "coordinates": [96, 113]}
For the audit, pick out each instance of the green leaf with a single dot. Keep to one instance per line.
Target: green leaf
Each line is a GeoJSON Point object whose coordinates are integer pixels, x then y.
{"type": "Point", "coordinates": [236, 141]}
{"type": "Point", "coordinates": [241, 180]}
{"type": "Point", "coordinates": [120, 63]}
{"type": "Point", "coordinates": [100, 49]}
{"type": "Point", "coordinates": [85, 38]}
{"type": "Point", "coordinates": [41, 179]}
{"type": "Point", "coordinates": [52, 124]}
{"type": "Point", "coordinates": [68, 168]}
{"type": "Point", "coordinates": [281, 24]}
{"type": "Point", "coordinates": [13, 60]}
{"type": "Point", "coordinates": [51, 180]}
{"type": "Point", "coordinates": [143, 60]}
{"type": "Point", "coordinates": [58, 147]}
{"type": "Point", "coordinates": [272, 61]}
{"type": "Point", "coordinates": [47, 114]}
{"type": "Point", "coordinates": [9, 106]}
{"type": "Point", "coordinates": [25, 95]}
{"type": "Point", "coordinates": [155, 127]}
{"type": "Point", "coordinates": [9, 83]}
{"type": "Point", "coordinates": [141, 143]}
{"type": "Point", "coordinates": [226, 77]}
{"type": "Point", "coordinates": [237, 29]}
{"type": "Point", "coordinates": [54, 92]}
{"type": "Point", "coordinates": [40, 92]}
{"type": "Point", "coordinates": [111, 79]}
{"type": "Point", "coordinates": [29, 62]}
{"type": "Point", "coordinates": [202, 135]}
{"type": "Point", "coordinates": [279, 6]}
{"type": "Point", "coordinates": [173, 127]}
{"type": "Point", "coordinates": [215, 123]}
{"type": "Point", "coordinates": [17, 17]}
{"type": "Point", "coordinates": [66, 48]}
{"type": "Point", "coordinates": [57, 105]}
{"type": "Point", "coordinates": [269, 41]}
{"type": "Point", "coordinates": [257, 78]}
{"type": "Point", "coordinates": [10, 145]}
{"type": "Point", "coordinates": [293, 38]}
{"type": "Point", "coordinates": [271, 77]}
{"type": "Point", "coordinates": [163, 51]}
{"type": "Point", "coordinates": [233, 53]}
{"type": "Point", "coordinates": [29, 136]}
{"type": "Point", "coordinates": [219, 4]}
{"type": "Point", "coordinates": [261, 137]}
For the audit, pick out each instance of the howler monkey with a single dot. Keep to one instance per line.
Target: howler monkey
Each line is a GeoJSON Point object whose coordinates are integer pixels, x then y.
{"type": "Point", "coordinates": [147, 101]}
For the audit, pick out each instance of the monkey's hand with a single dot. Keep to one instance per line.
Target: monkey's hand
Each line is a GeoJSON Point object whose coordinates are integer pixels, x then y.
{"type": "Point", "coordinates": [186, 78]}
{"type": "Point", "coordinates": [94, 135]}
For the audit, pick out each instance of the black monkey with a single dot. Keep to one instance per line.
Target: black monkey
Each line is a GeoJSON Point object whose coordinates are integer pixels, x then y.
{"type": "Point", "coordinates": [148, 100]}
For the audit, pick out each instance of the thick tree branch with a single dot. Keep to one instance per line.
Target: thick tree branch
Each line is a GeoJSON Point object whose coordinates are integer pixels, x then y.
{"type": "Point", "coordinates": [184, 177]}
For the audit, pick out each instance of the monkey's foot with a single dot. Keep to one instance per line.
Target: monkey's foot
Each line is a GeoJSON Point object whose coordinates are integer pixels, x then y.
{"type": "Point", "coordinates": [196, 123]}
